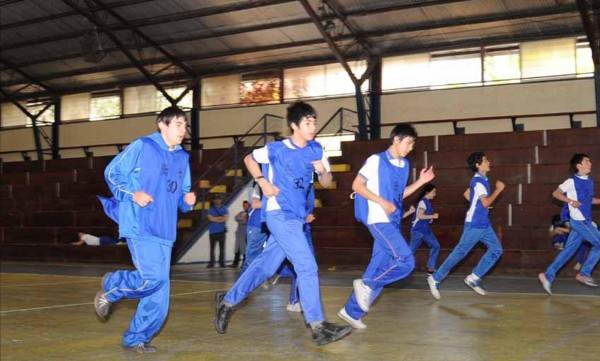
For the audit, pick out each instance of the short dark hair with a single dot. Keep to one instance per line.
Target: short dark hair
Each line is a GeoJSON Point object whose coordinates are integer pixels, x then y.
{"type": "Point", "coordinates": [474, 159]}
{"type": "Point", "coordinates": [556, 219]}
{"type": "Point", "coordinates": [168, 114]}
{"type": "Point", "coordinates": [577, 158]}
{"type": "Point", "coordinates": [426, 189]}
{"type": "Point", "coordinates": [298, 110]}
{"type": "Point", "coordinates": [402, 131]}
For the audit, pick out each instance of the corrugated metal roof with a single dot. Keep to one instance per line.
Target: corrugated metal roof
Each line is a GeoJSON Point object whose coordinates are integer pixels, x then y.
{"type": "Point", "coordinates": [41, 38]}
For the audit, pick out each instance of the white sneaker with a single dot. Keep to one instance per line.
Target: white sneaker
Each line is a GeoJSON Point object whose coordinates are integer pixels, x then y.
{"type": "Point", "coordinates": [474, 284]}
{"type": "Point", "coordinates": [358, 324]}
{"type": "Point", "coordinates": [433, 287]}
{"type": "Point", "coordinates": [294, 307]}
{"type": "Point", "coordinates": [588, 281]}
{"type": "Point", "coordinates": [577, 266]}
{"type": "Point", "coordinates": [363, 294]}
{"type": "Point", "coordinates": [545, 283]}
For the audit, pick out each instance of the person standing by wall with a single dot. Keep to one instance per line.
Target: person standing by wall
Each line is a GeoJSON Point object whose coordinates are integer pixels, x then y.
{"type": "Point", "coordinates": [240, 235]}
{"type": "Point", "coordinates": [218, 216]}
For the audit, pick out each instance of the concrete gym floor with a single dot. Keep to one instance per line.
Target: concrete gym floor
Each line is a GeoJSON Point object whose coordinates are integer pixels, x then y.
{"type": "Point", "coordinates": [47, 313]}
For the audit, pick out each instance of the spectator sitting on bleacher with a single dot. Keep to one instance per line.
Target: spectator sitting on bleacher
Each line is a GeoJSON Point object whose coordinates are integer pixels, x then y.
{"type": "Point", "coordinates": [90, 240]}
{"type": "Point", "coordinates": [558, 232]}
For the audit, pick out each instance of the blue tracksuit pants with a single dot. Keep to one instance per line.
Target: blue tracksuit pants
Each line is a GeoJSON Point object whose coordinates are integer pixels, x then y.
{"type": "Point", "coordinates": [416, 238]}
{"type": "Point", "coordinates": [255, 239]}
{"type": "Point", "coordinates": [580, 230]}
{"type": "Point", "coordinates": [286, 269]}
{"type": "Point", "coordinates": [150, 283]}
{"type": "Point", "coordinates": [468, 240]}
{"type": "Point", "coordinates": [287, 240]}
{"type": "Point", "coordinates": [391, 261]}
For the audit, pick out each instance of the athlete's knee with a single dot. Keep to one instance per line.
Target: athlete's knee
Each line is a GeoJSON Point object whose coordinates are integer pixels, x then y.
{"type": "Point", "coordinates": [407, 261]}
{"type": "Point", "coordinates": [307, 266]}
{"type": "Point", "coordinates": [496, 252]}
{"type": "Point", "coordinates": [154, 284]}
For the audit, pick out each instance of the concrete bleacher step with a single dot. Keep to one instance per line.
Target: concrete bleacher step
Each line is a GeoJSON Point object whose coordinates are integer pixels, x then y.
{"type": "Point", "coordinates": [569, 137]}
{"type": "Point", "coordinates": [185, 223]}
{"type": "Point", "coordinates": [339, 197]}
{"type": "Point", "coordinates": [202, 205]}
{"type": "Point", "coordinates": [332, 185]}
{"type": "Point", "coordinates": [51, 235]}
{"type": "Point", "coordinates": [66, 253]}
{"type": "Point", "coordinates": [458, 158]}
{"type": "Point", "coordinates": [221, 188]}
{"type": "Point", "coordinates": [554, 154]}
{"type": "Point", "coordinates": [234, 172]}
{"type": "Point", "coordinates": [336, 168]}
{"type": "Point", "coordinates": [484, 142]}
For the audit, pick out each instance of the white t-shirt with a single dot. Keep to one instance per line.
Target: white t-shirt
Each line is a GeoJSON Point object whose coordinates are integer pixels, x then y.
{"type": "Point", "coordinates": [568, 187]}
{"type": "Point", "coordinates": [91, 240]}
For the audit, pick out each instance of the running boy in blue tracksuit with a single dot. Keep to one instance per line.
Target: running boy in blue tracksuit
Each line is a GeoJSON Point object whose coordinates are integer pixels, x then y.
{"type": "Point", "coordinates": [149, 181]}
{"type": "Point", "coordinates": [578, 193]}
{"type": "Point", "coordinates": [380, 187]}
{"type": "Point", "coordinates": [477, 228]}
{"type": "Point", "coordinates": [420, 228]}
{"type": "Point", "coordinates": [292, 163]}
{"type": "Point", "coordinates": [286, 269]}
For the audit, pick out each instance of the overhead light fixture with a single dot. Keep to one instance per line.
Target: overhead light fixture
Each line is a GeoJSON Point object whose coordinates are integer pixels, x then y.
{"type": "Point", "coordinates": [91, 47]}
{"type": "Point", "coordinates": [327, 16]}
{"type": "Point", "coordinates": [329, 26]}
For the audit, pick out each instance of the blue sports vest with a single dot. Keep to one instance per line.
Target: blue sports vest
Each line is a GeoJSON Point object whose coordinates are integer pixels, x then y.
{"type": "Point", "coordinates": [392, 182]}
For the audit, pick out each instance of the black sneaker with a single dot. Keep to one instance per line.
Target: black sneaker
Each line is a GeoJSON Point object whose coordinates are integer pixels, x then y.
{"type": "Point", "coordinates": [223, 313]}
{"type": "Point", "coordinates": [141, 348]}
{"type": "Point", "coordinates": [328, 332]}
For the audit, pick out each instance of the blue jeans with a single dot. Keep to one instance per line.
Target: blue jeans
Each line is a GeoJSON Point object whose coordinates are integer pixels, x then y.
{"type": "Point", "coordinates": [287, 240]}
{"type": "Point", "coordinates": [150, 283]}
{"type": "Point", "coordinates": [468, 240]}
{"type": "Point", "coordinates": [255, 239]}
{"type": "Point", "coordinates": [580, 230]}
{"type": "Point", "coordinates": [417, 237]}
{"type": "Point", "coordinates": [391, 261]}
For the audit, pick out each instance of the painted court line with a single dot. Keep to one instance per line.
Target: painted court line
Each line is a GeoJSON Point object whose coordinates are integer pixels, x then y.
{"type": "Point", "coordinates": [91, 303]}
{"type": "Point", "coordinates": [45, 284]}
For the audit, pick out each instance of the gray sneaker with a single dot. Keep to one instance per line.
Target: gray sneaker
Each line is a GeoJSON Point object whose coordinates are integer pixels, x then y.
{"type": "Point", "coordinates": [102, 305]}
{"type": "Point", "coordinates": [588, 281]}
{"type": "Point", "coordinates": [474, 284]}
{"type": "Point", "coordinates": [545, 283]}
{"type": "Point", "coordinates": [141, 348]}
